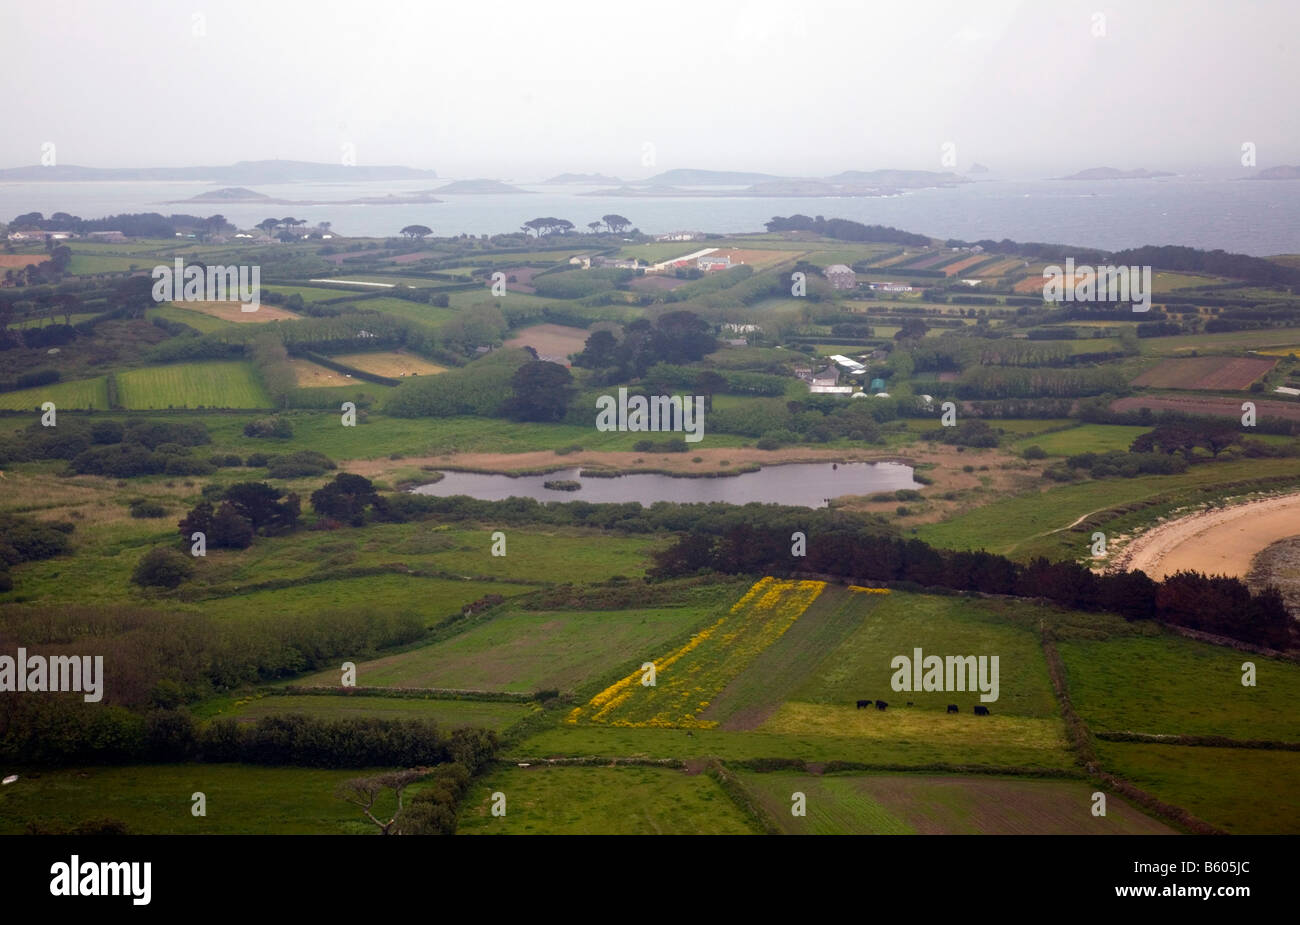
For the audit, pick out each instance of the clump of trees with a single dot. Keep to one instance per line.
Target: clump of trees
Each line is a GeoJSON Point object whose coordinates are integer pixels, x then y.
{"type": "Point", "coordinates": [112, 449]}
{"type": "Point", "coordinates": [346, 499]}
{"type": "Point", "coordinates": [541, 392]}
{"type": "Point", "coordinates": [674, 338]}
{"type": "Point", "coordinates": [245, 509]}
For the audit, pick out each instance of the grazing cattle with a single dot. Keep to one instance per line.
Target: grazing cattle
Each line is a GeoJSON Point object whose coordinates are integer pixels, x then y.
{"type": "Point", "coordinates": [880, 704]}
{"type": "Point", "coordinates": [863, 703]}
{"type": "Point", "coordinates": [909, 703]}
{"type": "Point", "coordinates": [952, 708]}
{"type": "Point", "coordinates": [981, 711]}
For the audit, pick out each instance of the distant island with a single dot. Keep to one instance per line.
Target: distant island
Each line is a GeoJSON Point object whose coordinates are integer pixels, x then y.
{"type": "Point", "coordinates": [581, 178]}
{"type": "Point", "coordinates": [771, 189]}
{"type": "Point", "coordinates": [689, 176]}
{"type": "Point", "coordinates": [476, 187]}
{"type": "Point", "coordinates": [1277, 173]}
{"type": "Point", "coordinates": [902, 179]}
{"type": "Point", "coordinates": [847, 183]}
{"type": "Point", "coordinates": [854, 183]}
{"type": "Point", "coordinates": [978, 168]}
{"type": "Point", "coordinates": [1113, 173]}
{"type": "Point", "coordinates": [238, 194]}
{"type": "Point", "coordinates": [244, 172]}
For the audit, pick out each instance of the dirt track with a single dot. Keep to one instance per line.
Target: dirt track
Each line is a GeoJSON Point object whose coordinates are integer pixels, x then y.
{"type": "Point", "coordinates": [1221, 541]}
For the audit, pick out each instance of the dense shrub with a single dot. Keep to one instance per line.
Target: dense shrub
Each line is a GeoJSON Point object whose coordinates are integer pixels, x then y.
{"type": "Point", "coordinates": [273, 427]}
{"type": "Point", "coordinates": [162, 567]}
{"type": "Point", "coordinates": [300, 464]}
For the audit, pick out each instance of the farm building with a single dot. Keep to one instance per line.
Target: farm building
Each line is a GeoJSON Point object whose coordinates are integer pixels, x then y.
{"type": "Point", "coordinates": [711, 262]}
{"type": "Point", "coordinates": [850, 366]}
{"type": "Point", "coordinates": [680, 236]}
{"type": "Point", "coordinates": [877, 385]}
{"type": "Point", "coordinates": [840, 276]}
{"type": "Point", "coordinates": [889, 287]}
{"type": "Point", "coordinates": [845, 390]}
{"type": "Point", "coordinates": [827, 376]}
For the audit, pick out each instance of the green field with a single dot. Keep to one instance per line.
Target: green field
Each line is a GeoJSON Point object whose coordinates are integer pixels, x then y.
{"type": "Point", "coordinates": [798, 653]}
{"type": "Point", "coordinates": [79, 394]}
{"type": "Point", "coordinates": [1228, 341]}
{"type": "Point", "coordinates": [524, 651]}
{"type": "Point", "coordinates": [199, 321]}
{"type": "Point", "coordinates": [89, 264]}
{"type": "Point", "coordinates": [1169, 685]}
{"type": "Point", "coordinates": [601, 801]}
{"type": "Point", "coordinates": [918, 748]}
{"type": "Point", "coordinates": [1086, 438]}
{"type": "Point", "coordinates": [217, 384]}
{"type": "Point", "coordinates": [156, 800]}
{"type": "Point", "coordinates": [314, 561]}
{"type": "Point", "coordinates": [449, 713]}
{"type": "Point", "coordinates": [317, 293]}
{"type": "Point", "coordinates": [432, 598]}
{"type": "Point", "coordinates": [915, 804]}
{"type": "Point", "coordinates": [415, 311]}
{"type": "Point", "coordinates": [1240, 790]}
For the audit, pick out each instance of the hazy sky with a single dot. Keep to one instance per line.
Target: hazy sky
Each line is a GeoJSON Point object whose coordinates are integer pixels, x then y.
{"type": "Point", "coordinates": [519, 90]}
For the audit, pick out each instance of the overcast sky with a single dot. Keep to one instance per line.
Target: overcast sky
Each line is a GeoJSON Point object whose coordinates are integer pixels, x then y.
{"type": "Point", "coordinates": [518, 90]}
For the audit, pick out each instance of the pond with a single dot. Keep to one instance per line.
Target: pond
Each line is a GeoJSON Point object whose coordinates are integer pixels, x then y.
{"type": "Point", "coordinates": [797, 485]}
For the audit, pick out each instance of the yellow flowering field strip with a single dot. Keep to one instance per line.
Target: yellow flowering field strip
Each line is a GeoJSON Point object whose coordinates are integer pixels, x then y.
{"type": "Point", "coordinates": [687, 680]}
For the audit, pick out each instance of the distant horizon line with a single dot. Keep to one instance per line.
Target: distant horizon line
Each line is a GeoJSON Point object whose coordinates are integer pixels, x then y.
{"type": "Point", "coordinates": [1018, 171]}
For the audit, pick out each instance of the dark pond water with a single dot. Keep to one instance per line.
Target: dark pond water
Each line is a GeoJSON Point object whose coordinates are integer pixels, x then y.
{"type": "Point", "coordinates": [798, 484]}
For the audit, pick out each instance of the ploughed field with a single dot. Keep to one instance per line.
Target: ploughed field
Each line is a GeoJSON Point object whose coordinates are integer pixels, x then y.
{"type": "Point", "coordinates": [1209, 373]}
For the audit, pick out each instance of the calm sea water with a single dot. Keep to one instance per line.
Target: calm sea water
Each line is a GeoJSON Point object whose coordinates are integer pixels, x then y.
{"type": "Point", "coordinates": [1252, 217]}
{"type": "Point", "coordinates": [798, 484]}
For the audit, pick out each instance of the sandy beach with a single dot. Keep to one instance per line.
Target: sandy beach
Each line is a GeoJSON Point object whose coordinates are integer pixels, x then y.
{"type": "Point", "coordinates": [1220, 541]}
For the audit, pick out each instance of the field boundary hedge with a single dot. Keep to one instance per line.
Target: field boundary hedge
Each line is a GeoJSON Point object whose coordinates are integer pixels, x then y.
{"type": "Point", "coordinates": [1081, 740]}
{"type": "Point", "coordinates": [1200, 741]}
{"type": "Point", "coordinates": [402, 693]}
{"type": "Point", "coordinates": [750, 808]}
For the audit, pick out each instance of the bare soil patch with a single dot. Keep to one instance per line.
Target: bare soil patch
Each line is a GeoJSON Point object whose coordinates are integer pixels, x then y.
{"type": "Point", "coordinates": [308, 375]}
{"type": "Point", "coordinates": [233, 312]}
{"type": "Point", "coordinates": [395, 364]}
{"type": "Point", "coordinates": [1205, 373]}
{"type": "Point", "coordinates": [554, 340]}
{"type": "Point", "coordinates": [1220, 407]}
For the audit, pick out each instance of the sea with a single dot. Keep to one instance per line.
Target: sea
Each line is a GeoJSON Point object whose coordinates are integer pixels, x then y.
{"type": "Point", "coordinates": [1258, 217]}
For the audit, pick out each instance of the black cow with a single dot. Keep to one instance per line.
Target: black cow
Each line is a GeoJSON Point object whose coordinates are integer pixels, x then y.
{"type": "Point", "coordinates": [952, 708]}
{"type": "Point", "coordinates": [863, 703]}
{"type": "Point", "coordinates": [909, 703]}
{"type": "Point", "coordinates": [880, 704]}
{"type": "Point", "coordinates": [981, 711]}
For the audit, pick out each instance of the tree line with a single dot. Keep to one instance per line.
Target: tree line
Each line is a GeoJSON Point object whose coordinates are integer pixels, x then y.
{"type": "Point", "coordinates": [1219, 605]}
